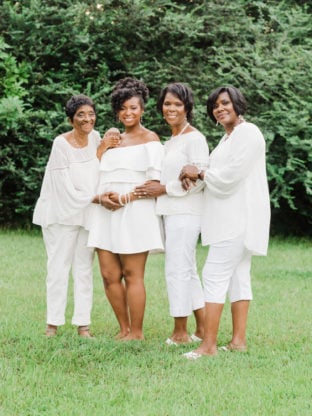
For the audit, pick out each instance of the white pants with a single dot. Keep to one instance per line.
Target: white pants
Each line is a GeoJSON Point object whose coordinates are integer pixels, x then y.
{"type": "Point", "coordinates": [66, 247]}
{"type": "Point", "coordinates": [185, 292]}
{"type": "Point", "coordinates": [227, 272]}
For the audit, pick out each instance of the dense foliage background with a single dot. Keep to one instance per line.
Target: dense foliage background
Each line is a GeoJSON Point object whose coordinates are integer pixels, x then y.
{"type": "Point", "coordinates": [52, 49]}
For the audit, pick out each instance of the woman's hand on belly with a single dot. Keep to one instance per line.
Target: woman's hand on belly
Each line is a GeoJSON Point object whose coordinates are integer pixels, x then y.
{"type": "Point", "coordinates": [150, 189]}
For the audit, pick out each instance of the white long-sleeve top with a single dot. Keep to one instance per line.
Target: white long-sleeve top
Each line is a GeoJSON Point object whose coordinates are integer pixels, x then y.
{"type": "Point", "coordinates": [236, 195]}
{"type": "Point", "coordinates": [69, 183]}
{"type": "Point", "coordinates": [186, 149]}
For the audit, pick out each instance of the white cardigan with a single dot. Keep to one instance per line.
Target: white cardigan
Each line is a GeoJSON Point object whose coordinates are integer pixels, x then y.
{"type": "Point", "coordinates": [236, 196]}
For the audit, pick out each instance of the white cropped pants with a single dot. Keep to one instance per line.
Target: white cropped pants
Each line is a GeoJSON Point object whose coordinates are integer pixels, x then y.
{"type": "Point", "coordinates": [66, 247]}
{"type": "Point", "coordinates": [185, 292]}
{"type": "Point", "coordinates": [227, 272]}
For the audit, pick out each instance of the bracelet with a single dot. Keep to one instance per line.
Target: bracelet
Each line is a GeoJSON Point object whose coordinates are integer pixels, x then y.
{"type": "Point", "coordinates": [120, 200]}
{"type": "Point", "coordinates": [127, 199]}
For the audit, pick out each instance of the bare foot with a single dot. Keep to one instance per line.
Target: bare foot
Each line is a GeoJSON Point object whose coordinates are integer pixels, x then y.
{"type": "Point", "coordinates": [133, 337]}
{"type": "Point", "coordinates": [51, 330]}
{"type": "Point", "coordinates": [178, 339]}
{"type": "Point", "coordinates": [206, 351]}
{"type": "Point", "coordinates": [121, 335]}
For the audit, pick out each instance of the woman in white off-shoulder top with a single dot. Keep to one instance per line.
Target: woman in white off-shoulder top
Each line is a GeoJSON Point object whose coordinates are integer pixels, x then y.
{"type": "Point", "coordinates": [124, 227]}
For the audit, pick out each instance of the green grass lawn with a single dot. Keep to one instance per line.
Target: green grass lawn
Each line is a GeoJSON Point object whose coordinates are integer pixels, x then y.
{"type": "Point", "coordinates": [68, 376]}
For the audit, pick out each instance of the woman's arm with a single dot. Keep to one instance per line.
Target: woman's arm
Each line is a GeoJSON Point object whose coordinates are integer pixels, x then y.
{"type": "Point", "coordinates": [246, 146]}
{"type": "Point", "coordinates": [110, 140]}
{"type": "Point", "coordinates": [149, 189]}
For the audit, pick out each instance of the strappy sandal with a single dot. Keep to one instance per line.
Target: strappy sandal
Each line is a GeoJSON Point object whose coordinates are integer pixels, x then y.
{"type": "Point", "coordinates": [192, 355]}
{"type": "Point", "coordinates": [195, 338]}
{"type": "Point", "coordinates": [84, 331]}
{"type": "Point", "coordinates": [51, 331]}
{"type": "Point", "coordinates": [233, 347]}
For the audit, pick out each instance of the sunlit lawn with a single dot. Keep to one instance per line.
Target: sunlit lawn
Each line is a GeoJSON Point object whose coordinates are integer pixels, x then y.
{"type": "Point", "coordinates": [71, 376]}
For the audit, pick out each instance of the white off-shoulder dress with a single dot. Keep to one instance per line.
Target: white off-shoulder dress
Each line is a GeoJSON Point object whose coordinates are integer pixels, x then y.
{"type": "Point", "coordinates": [136, 227]}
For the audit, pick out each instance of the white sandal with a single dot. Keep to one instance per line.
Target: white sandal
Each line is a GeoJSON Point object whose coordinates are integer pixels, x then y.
{"type": "Point", "coordinates": [233, 347]}
{"type": "Point", "coordinates": [171, 343]}
{"type": "Point", "coordinates": [192, 355]}
{"type": "Point", "coordinates": [195, 338]}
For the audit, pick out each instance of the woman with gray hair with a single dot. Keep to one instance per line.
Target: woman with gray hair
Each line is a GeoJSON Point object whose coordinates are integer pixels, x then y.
{"type": "Point", "coordinates": [67, 191]}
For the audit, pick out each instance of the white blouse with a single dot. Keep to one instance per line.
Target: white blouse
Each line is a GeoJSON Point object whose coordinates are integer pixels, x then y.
{"type": "Point", "coordinates": [69, 183]}
{"type": "Point", "coordinates": [236, 196]}
{"type": "Point", "coordinates": [186, 149]}
{"type": "Point", "coordinates": [131, 164]}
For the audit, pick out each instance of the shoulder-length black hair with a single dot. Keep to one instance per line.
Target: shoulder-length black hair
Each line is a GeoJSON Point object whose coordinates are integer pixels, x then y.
{"type": "Point", "coordinates": [183, 92]}
{"type": "Point", "coordinates": [237, 98]}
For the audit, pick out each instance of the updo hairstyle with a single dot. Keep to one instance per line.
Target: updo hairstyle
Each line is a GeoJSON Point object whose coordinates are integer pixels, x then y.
{"type": "Point", "coordinates": [75, 102]}
{"type": "Point", "coordinates": [127, 88]}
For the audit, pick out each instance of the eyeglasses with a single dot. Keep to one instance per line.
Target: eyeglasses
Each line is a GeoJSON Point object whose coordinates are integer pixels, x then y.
{"type": "Point", "coordinates": [81, 116]}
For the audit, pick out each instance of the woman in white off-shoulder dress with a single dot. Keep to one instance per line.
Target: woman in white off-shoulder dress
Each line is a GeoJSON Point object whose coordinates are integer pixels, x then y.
{"type": "Point", "coordinates": [135, 227]}
{"type": "Point", "coordinates": [124, 227]}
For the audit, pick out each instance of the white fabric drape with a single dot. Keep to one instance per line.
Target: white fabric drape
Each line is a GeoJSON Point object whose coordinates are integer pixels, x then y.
{"type": "Point", "coordinates": [236, 195]}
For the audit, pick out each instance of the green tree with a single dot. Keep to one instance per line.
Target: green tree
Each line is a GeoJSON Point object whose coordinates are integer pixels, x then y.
{"type": "Point", "coordinates": [51, 51]}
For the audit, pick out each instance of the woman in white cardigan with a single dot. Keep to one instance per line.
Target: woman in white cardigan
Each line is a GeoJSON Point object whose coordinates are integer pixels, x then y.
{"type": "Point", "coordinates": [236, 217]}
{"type": "Point", "coordinates": [181, 211]}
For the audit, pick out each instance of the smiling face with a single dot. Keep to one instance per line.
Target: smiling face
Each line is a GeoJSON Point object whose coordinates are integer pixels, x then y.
{"type": "Point", "coordinates": [224, 112]}
{"type": "Point", "coordinates": [84, 119]}
{"type": "Point", "coordinates": [131, 112]}
{"type": "Point", "coordinates": [173, 110]}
